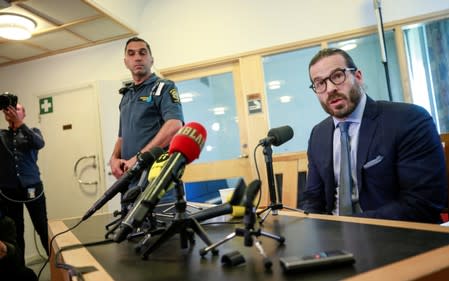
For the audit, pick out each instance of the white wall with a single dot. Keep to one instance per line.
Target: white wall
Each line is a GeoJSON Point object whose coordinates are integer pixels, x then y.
{"type": "Point", "coordinates": [188, 31]}
{"type": "Point", "coordinates": [128, 12]}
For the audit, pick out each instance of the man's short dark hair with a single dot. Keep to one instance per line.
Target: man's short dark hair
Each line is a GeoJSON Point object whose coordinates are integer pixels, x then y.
{"type": "Point", "coordinates": [330, 52]}
{"type": "Point", "coordinates": [137, 39]}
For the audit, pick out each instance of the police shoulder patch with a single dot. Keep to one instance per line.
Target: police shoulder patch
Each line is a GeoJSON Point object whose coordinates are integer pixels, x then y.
{"type": "Point", "coordinates": [174, 95]}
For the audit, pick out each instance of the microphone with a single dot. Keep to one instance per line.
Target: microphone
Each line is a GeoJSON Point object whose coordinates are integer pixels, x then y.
{"type": "Point", "coordinates": [131, 194]}
{"type": "Point", "coordinates": [143, 160]}
{"type": "Point", "coordinates": [277, 136]}
{"type": "Point", "coordinates": [185, 147]}
{"type": "Point", "coordinates": [232, 207]}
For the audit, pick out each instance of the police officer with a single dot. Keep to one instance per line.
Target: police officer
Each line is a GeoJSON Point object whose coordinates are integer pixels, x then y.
{"type": "Point", "coordinates": [150, 109]}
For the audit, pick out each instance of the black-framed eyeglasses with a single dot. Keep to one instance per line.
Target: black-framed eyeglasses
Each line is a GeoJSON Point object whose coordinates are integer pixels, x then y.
{"type": "Point", "coordinates": [337, 77]}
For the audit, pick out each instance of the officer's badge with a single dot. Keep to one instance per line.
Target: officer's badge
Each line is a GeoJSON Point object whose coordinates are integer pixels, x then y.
{"type": "Point", "coordinates": [145, 99]}
{"type": "Point", "coordinates": [174, 96]}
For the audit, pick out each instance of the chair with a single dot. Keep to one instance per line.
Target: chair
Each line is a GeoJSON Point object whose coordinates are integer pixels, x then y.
{"type": "Point", "coordinates": [290, 170]}
{"type": "Point", "coordinates": [445, 142]}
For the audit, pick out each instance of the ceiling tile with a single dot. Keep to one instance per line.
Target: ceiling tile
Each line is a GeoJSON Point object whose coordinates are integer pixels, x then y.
{"type": "Point", "coordinates": [99, 29]}
{"type": "Point", "coordinates": [63, 11]}
{"type": "Point", "coordinates": [14, 50]}
{"type": "Point", "coordinates": [40, 22]}
{"type": "Point", "coordinates": [59, 39]}
{"type": "Point", "coordinates": [62, 26]}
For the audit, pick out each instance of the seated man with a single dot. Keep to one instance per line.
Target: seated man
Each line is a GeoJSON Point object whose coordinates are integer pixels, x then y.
{"type": "Point", "coordinates": [373, 159]}
{"type": "Point", "coordinates": [11, 266]}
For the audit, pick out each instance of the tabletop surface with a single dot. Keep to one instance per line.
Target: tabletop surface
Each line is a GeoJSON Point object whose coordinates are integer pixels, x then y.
{"type": "Point", "coordinates": [373, 246]}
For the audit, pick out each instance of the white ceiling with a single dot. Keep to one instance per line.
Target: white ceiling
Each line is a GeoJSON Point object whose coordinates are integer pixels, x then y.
{"type": "Point", "coordinates": [62, 26]}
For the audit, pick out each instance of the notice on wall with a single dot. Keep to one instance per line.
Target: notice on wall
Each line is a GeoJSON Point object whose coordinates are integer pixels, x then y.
{"type": "Point", "coordinates": [254, 103]}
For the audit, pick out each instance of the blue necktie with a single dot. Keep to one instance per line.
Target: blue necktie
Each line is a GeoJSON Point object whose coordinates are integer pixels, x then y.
{"type": "Point", "coordinates": [345, 189]}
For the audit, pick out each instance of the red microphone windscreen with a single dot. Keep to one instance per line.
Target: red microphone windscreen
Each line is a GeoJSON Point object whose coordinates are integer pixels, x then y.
{"type": "Point", "coordinates": [189, 141]}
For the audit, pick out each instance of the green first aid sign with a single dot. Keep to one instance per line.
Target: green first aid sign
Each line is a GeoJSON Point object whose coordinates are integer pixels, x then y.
{"type": "Point", "coordinates": [46, 105]}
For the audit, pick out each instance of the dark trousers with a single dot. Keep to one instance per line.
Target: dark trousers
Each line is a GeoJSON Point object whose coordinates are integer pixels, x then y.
{"type": "Point", "coordinates": [22, 274]}
{"type": "Point", "coordinates": [36, 209]}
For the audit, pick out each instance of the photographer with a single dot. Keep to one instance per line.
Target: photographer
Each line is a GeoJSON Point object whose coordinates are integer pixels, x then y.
{"type": "Point", "coordinates": [20, 182]}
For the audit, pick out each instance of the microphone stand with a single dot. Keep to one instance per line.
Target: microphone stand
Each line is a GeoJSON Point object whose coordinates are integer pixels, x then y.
{"type": "Point", "coordinates": [171, 206]}
{"type": "Point", "coordinates": [250, 236]}
{"type": "Point", "coordinates": [112, 226]}
{"type": "Point", "coordinates": [383, 48]}
{"type": "Point", "coordinates": [182, 224]}
{"type": "Point", "coordinates": [275, 203]}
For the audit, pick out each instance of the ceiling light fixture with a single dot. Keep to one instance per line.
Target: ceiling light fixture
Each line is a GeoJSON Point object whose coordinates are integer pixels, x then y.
{"type": "Point", "coordinates": [273, 85]}
{"type": "Point", "coordinates": [285, 99]}
{"type": "Point", "coordinates": [186, 97]}
{"type": "Point", "coordinates": [15, 26]}
{"type": "Point", "coordinates": [219, 110]}
{"type": "Point", "coordinates": [348, 45]}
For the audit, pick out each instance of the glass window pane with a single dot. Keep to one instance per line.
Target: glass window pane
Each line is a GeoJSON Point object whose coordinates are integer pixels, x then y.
{"type": "Point", "coordinates": [210, 101]}
{"type": "Point", "coordinates": [290, 100]}
{"type": "Point", "coordinates": [418, 62]}
{"type": "Point", "coordinates": [427, 49]}
{"type": "Point", "coordinates": [367, 56]}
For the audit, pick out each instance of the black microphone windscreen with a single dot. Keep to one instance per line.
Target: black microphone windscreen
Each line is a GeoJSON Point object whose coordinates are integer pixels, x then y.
{"type": "Point", "coordinates": [150, 156]}
{"type": "Point", "coordinates": [143, 160]}
{"type": "Point", "coordinates": [251, 192]}
{"type": "Point", "coordinates": [238, 194]}
{"type": "Point", "coordinates": [281, 134]}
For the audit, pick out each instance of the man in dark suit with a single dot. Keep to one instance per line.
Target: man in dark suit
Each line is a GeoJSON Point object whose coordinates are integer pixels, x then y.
{"type": "Point", "coordinates": [397, 168]}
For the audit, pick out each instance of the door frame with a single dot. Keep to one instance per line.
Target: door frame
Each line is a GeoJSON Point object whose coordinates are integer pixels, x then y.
{"type": "Point", "coordinates": [100, 161]}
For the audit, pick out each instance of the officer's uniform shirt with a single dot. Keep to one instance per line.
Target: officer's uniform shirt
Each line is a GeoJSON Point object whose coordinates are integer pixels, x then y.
{"type": "Point", "coordinates": [144, 109]}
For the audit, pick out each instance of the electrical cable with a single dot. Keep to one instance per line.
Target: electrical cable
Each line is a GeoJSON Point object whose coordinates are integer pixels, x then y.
{"type": "Point", "coordinates": [50, 245]}
{"type": "Point", "coordinates": [77, 271]}
{"type": "Point", "coordinates": [258, 175]}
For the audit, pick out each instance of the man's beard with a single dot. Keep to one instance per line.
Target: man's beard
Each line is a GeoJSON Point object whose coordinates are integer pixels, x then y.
{"type": "Point", "coordinates": [141, 73]}
{"type": "Point", "coordinates": [355, 94]}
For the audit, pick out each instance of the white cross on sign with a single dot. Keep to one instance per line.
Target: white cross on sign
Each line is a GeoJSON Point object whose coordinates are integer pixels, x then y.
{"type": "Point", "coordinates": [46, 105]}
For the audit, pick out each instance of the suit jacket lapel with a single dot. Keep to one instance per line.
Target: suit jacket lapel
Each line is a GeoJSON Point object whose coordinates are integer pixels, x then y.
{"type": "Point", "coordinates": [366, 135]}
{"type": "Point", "coordinates": [328, 145]}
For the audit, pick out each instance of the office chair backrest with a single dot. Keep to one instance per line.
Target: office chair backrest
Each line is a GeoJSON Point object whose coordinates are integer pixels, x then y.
{"type": "Point", "coordinates": [445, 142]}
